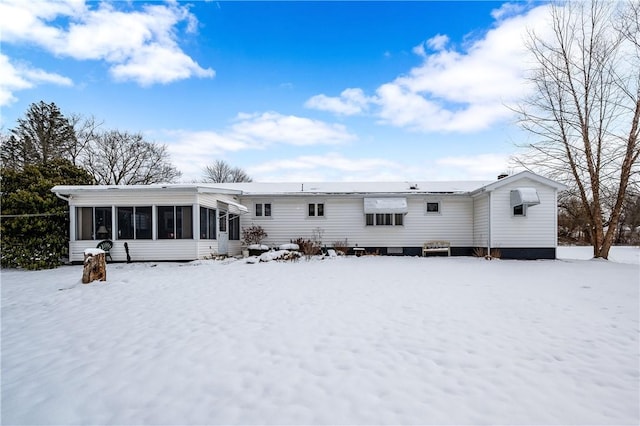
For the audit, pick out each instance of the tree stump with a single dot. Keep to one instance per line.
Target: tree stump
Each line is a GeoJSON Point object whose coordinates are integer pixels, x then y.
{"type": "Point", "coordinates": [95, 266]}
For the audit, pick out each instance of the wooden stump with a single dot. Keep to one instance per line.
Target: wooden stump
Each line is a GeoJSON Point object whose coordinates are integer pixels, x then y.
{"type": "Point", "coordinates": [95, 266]}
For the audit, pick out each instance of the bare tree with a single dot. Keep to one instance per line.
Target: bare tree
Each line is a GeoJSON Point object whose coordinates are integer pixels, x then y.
{"type": "Point", "coordinates": [586, 108]}
{"type": "Point", "coordinates": [122, 158]}
{"type": "Point", "coordinates": [220, 172]}
{"type": "Point", "coordinates": [86, 131]}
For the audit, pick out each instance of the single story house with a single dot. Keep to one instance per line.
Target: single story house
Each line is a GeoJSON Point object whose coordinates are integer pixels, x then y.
{"type": "Point", "coordinates": [516, 214]}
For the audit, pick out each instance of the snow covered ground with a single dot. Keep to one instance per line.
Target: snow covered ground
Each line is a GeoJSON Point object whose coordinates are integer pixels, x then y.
{"type": "Point", "coordinates": [369, 340]}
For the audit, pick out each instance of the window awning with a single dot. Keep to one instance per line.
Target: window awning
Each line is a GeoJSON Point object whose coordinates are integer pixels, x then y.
{"type": "Point", "coordinates": [524, 197]}
{"type": "Point", "coordinates": [385, 205]}
{"type": "Point", "coordinates": [234, 208]}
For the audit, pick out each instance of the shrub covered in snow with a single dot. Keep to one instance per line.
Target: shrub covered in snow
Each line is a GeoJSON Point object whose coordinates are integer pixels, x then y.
{"type": "Point", "coordinates": [253, 234]}
{"type": "Point", "coordinates": [307, 247]}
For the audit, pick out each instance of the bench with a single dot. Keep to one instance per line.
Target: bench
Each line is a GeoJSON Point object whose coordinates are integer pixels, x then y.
{"type": "Point", "coordinates": [436, 247]}
{"type": "Point", "coordinates": [358, 251]}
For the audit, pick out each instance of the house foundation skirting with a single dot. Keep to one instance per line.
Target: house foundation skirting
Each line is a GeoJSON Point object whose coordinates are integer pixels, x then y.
{"type": "Point", "coordinates": [521, 253]}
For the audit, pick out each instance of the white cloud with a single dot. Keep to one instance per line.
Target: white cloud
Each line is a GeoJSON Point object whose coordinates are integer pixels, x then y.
{"type": "Point", "coordinates": [272, 127]}
{"type": "Point", "coordinates": [455, 89]}
{"type": "Point", "coordinates": [438, 42]}
{"type": "Point", "coordinates": [350, 102]}
{"type": "Point", "coordinates": [191, 151]}
{"type": "Point", "coordinates": [20, 76]}
{"type": "Point", "coordinates": [140, 45]}
{"type": "Point", "coordinates": [481, 167]}
{"type": "Point", "coordinates": [328, 167]}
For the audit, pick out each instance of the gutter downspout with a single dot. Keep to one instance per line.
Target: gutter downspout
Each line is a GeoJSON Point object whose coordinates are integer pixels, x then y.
{"type": "Point", "coordinates": [489, 226]}
{"type": "Point", "coordinates": [72, 220]}
{"type": "Point", "coordinates": [62, 197]}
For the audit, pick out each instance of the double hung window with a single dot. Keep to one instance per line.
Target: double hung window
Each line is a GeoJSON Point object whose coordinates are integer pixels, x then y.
{"type": "Point", "coordinates": [316, 209]}
{"type": "Point", "coordinates": [263, 209]}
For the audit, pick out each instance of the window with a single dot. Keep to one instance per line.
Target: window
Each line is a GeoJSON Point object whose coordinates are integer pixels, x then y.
{"type": "Point", "coordinates": [175, 222]}
{"type": "Point", "coordinates": [519, 210]}
{"type": "Point", "coordinates": [134, 223]}
{"type": "Point", "coordinates": [234, 227]}
{"type": "Point", "coordinates": [263, 209]}
{"type": "Point", "coordinates": [316, 209]}
{"type": "Point", "coordinates": [93, 223]}
{"type": "Point", "coordinates": [384, 219]}
{"type": "Point", "coordinates": [433, 207]}
{"type": "Point", "coordinates": [207, 223]}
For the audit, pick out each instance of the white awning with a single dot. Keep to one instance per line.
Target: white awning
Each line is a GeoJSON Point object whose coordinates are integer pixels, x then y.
{"type": "Point", "coordinates": [385, 205]}
{"type": "Point", "coordinates": [234, 208]}
{"type": "Point", "coordinates": [524, 197]}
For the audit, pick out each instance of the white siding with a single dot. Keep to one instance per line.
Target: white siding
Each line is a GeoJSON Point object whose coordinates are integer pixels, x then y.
{"type": "Point", "coordinates": [344, 218]}
{"type": "Point", "coordinates": [481, 221]}
{"type": "Point", "coordinates": [139, 250]}
{"type": "Point", "coordinates": [536, 229]}
{"type": "Point", "coordinates": [133, 198]}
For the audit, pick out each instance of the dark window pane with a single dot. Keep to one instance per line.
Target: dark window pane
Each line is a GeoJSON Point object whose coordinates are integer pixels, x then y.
{"type": "Point", "coordinates": [184, 223]}
{"type": "Point", "coordinates": [204, 221]}
{"type": "Point", "coordinates": [234, 227]}
{"type": "Point", "coordinates": [369, 219]}
{"type": "Point", "coordinates": [166, 222]}
{"type": "Point", "coordinates": [267, 209]}
{"type": "Point", "coordinates": [399, 217]}
{"type": "Point", "coordinates": [103, 223]}
{"type": "Point", "coordinates": [321, 209]}
{"type": "Point", "coordinates": [223, 221]}
{"type": "Point", "coordinates": [258, 209]}
{"type": "Point", "coordinates": [312, 209]}
{"type": "Point", "coordinates": [84, 223]}
{"type": "Point", "coordinates": [433, 207]}
{"type": "Point", "coordinates": [143, 223]}
{"type": "Point", "coordinates": [212, 224]}
{"type": "Point", "coordinates": [125, 223]}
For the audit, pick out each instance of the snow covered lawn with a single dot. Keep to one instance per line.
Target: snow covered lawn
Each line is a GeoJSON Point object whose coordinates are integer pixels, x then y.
{"type": "Point", "coordinates": [369, 340]}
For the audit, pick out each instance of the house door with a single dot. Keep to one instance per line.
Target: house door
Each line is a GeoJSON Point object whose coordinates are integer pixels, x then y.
{"type": "Point", "coordinates": [223, 233]}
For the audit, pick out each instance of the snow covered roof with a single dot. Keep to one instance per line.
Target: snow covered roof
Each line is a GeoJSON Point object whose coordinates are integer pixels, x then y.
{"type": "Point", "coordinates": [320, 188]}
{"type": "Point", "coordinates": [299, 188]}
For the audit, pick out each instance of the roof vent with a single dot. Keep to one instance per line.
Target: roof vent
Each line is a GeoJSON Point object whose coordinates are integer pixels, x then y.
{"type": "Point", "coordinates": [413, 186]}
{"type": "Point", "coordinates": [502, 176]}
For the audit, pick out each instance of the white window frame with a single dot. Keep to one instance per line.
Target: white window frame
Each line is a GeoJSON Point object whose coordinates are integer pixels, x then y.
{"type": "Point", "coordinates": [263, 210]}
{"type": "Point", "coordinates": [315, 214]}
{"type": "Point", "coordinates": [394, 219]}
{"type": "Point", "coordinates": [426, 207]}
{"type": "Point", "coordinates": [524, 211]}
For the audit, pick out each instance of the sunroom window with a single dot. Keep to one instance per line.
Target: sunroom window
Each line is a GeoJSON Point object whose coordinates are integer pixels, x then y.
{"type": "Point", "coordinates": [207, 223]}
{"type": "Point", "coordinates": [134, 223]}
{"type": "Point", "coordinates": [93, 223]}
{"type": "Point", "coordinates": [175, 222]}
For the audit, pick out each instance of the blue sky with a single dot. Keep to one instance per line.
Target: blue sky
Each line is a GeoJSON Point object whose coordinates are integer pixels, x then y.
{"type": "Point", "coordinates": [289, 91]}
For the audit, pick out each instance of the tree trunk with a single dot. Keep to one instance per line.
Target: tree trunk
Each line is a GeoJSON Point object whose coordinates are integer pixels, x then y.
{"type": "Point", "coordinates": [95, 267]}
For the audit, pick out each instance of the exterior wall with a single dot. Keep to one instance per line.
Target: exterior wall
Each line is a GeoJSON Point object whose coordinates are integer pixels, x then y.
{"type": "Point", "coordinates": [344, 218]}
{"type": "Point", "coordinates": [538, 229]}
{"type": "Point", "coordinates": [139, 250]}
{"type": "Point", "coordinates": [466, 222]}
{"type": "Point", "coordinates": [481, 221]}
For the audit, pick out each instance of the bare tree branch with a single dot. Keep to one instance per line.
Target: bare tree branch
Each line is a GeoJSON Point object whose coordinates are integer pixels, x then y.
{"type": "Point", "coordinates": [586, 106]}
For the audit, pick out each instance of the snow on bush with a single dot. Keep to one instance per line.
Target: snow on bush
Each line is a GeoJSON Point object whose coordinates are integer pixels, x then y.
{"type": "Point", "coordinates": [290, 246]}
